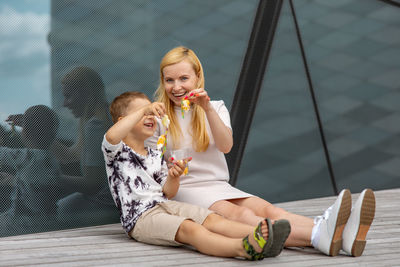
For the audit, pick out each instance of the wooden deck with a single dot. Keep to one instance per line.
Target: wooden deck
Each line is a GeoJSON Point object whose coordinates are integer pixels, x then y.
{"type": "Point", "coordinates": [108, 246]}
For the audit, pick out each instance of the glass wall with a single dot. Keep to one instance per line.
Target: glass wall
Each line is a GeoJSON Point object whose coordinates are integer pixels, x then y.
{"type": "Point", "coordinates": [62, 62]}
{"type": "Point", "coordinates": [352, 49]}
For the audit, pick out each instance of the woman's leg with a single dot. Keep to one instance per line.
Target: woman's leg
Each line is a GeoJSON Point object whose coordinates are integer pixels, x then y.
{"type": "Point", "coordinates": [235, 212]}
{"type": "Point", "coordinates": [220, 225]}
{"type": "Point", "coordinates": [215, 244]}
{"type": "Point", "coordinates": [253, 209]}
{"type": "Point", "coordinates": [301, 226]}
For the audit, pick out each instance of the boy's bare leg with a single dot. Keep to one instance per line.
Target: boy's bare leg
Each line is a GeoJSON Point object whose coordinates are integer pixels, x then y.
{"type": "Point", "coordinates": [214, 244]}
{"type": "Point", "coordinates": [251, 210]}
{"type": "Point", "coordinates": [220, 225]}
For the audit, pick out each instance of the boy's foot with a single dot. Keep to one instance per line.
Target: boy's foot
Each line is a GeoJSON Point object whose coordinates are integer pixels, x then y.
{"type": "Point", "coordinates": [356, 229]}
{"type": "Point", "coordinates": [255, 243]}
{"type": "Point", "coordinates": [281, 230]}
{"type": "Point", "coordinates": [328, 229]}
{"type": "Point", "coordinates": [268, 239]}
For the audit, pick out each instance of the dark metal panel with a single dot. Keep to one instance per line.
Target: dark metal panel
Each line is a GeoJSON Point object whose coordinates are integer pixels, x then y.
{"type": "Point", "coordinates": [250, 79]}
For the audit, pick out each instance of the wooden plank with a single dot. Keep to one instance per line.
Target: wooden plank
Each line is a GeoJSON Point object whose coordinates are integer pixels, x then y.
{"type": "Point", "coordinates": [108, 245]}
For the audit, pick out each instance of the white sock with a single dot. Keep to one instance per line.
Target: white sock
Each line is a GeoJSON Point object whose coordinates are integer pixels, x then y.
{"type": "Point", "coordinates": [317, 221]}
{"type": "Point", "coordinates": [315, 233]}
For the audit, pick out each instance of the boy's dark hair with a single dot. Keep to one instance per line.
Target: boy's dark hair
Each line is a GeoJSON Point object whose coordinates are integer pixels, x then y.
{"type": "Point", "coordinates": [40, 125]}
{"type": "Point", "coordinates": [121, 102]}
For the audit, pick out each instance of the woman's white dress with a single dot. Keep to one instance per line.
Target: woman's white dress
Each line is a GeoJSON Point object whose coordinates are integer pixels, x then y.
{"type": "Point", "coordinates": [207, 180]}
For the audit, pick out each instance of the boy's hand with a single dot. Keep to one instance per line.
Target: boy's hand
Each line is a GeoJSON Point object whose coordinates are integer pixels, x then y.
{"type": "Point", "coordinates": [156, 109]}
{"type": "Point", "coordinates": [178, 167]}
{"type": "Point", "coordinates": [15, 119]}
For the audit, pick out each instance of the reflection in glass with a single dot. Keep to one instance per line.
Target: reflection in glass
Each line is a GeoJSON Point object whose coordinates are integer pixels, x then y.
{"type": "Point", "coordinates": [32, 172]}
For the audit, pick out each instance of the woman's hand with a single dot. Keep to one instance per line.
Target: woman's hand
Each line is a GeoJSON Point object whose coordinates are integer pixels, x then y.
{"type": "Point", "coordinates": [200, 97]}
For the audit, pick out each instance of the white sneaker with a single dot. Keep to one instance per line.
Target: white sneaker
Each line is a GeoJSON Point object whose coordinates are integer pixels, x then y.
{"type": "Point", "coordinates": [356, 229]}
{"type": "Point", "coordinates": [328, 229]}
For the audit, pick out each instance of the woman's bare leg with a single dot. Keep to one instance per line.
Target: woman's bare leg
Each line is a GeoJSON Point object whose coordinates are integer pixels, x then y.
{"type": "Point", "coordinates": [220, 225]}
{"type": "Point", "coordinates": [301, 225]}
{"type": "Point", "coordinates": [235, 212]}
{"type": "Point", "coordinates": [253, 209]}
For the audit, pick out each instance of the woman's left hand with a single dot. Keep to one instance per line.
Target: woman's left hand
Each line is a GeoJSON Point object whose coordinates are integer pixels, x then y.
{"type": "Point", "coordinates": [200, 97]}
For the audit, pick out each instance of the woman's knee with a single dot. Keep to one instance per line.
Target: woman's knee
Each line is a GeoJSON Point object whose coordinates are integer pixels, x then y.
{"type": "Point", "coordinates": [273, 212]}
{"type": "Point", "coordinates": [240, 213]}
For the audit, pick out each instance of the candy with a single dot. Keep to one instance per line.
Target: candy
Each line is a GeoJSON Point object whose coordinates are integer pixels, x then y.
{"type": "Point", "coordinates": [185, 107]}
{"type": "Point", "coordinates": [165, 121]}
{"type": "Point", "coordinates": [162, 140]}
{"type": "Point", "coordinates": [186, 170]}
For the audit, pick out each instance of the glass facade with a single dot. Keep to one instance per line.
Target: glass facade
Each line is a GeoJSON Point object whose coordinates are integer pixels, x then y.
{"type": "Point", "coordinates": [352, 50]}
{"type": "Point", "coordinates": [63, 61]}
{"type": "Point", "coordinates": [78, 56]}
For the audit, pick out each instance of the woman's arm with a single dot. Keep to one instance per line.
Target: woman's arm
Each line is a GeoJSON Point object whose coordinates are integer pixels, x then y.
{"type": "Point", "coordinates": [222, 134]}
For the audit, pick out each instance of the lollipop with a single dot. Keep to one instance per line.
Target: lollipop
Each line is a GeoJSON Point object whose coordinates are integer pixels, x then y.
{"type": "Point", "coordinates": [185, 107]}
{"type": "Point", "coordinates": [165, 121]}
{"type": "Point", "coordinates": [186, 171]}
{"type": "Point", "coordinates": [162, 140]}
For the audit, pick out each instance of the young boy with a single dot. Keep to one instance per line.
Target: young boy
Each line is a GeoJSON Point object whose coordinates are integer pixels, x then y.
{"type": "Point", "coordinates": [141, 185]}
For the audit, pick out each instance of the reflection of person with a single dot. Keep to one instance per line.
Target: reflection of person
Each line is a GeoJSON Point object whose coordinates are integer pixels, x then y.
{"type": "Point", "coordinates": [35, 181]}
{"type": "Point", "coordinates": [84, 95]}
{"type": "Point", "coordinates": [3, 134]}
{"type": "Point", "coordinates": [141, 185]}
{"type": "Point", "coordinates": [205, 130]}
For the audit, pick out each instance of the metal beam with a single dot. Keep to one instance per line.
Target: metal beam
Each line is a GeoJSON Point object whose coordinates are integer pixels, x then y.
{"type": "Point", "coordinates": [250, 80]}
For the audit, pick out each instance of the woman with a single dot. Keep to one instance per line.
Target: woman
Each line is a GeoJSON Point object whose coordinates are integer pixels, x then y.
{"type": "Point", "coordinates": [205, 132]}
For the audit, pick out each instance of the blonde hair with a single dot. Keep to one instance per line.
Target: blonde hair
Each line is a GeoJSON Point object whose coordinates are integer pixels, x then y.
{"type": "Point", "coordinates": [199, 132]}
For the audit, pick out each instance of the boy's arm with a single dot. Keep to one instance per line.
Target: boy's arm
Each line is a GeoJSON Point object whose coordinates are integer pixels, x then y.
{"type": "Point", "coordinates": [171, 186]}
{"type": "Point", "coordinates": [124, 125]}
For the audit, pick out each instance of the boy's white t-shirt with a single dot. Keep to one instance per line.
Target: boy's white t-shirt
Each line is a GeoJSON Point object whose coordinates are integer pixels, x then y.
{"type": "Point", "coordinates": [135, 180]}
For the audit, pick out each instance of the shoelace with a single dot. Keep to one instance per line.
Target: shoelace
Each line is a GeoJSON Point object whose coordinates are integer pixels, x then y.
{"type": "Point", "coordinates": [317, 221]}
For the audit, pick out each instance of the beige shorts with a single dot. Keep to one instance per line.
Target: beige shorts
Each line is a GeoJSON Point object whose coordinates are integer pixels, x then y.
{"type": "Point", "coordinates": [159, 225]}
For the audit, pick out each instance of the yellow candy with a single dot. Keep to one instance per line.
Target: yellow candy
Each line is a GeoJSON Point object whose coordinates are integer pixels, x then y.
{"type": "Point", "coordinates": [186, 170]}
{"type": "Point", "coordinates": [161, 141]}
{"type": "Point", "coordinates": [165, 121]}
{"type": "Point", "coordinates": [185, 105]}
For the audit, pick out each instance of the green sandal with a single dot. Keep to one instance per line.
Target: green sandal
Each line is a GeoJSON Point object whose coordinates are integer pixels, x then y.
{"type": "Point", "coordinates": [265, 245]}
{"type": "Point", "coordinates": [281, 230]}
